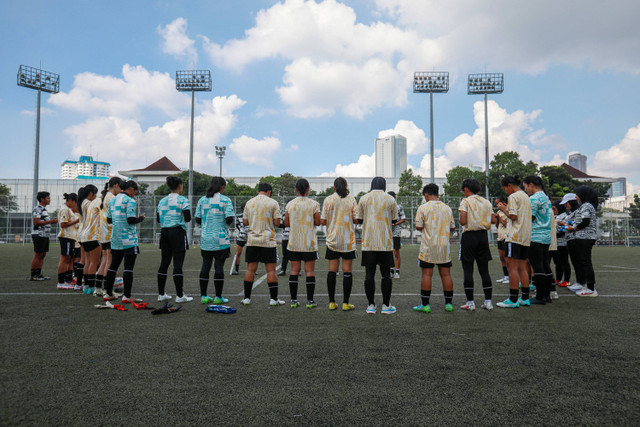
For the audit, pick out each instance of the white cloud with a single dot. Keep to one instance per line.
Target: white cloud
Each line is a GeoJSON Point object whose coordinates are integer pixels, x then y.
{"type": "Point", "coordinates": [43, 111]}
{"type": "Point", "coordinates": [256, 151]}
{"type": "Point", "coordinates": [125, 143]}
{"type": "Point", "coordinates": [94, 94]}
{"type": "Point", "coordinates": [365, 166]}
{"type": "Point", "coordinates": [620, 159]}
{"type": "Point", "coordinates": [177, 43]}
{"type": "Point", "coordinates": [417, 141]}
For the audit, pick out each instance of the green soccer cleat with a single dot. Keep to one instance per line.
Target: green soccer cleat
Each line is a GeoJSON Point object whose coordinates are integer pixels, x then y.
{"type": "Point", "coordinates": [294, 303]}
{"type": "Point", "coordinates": [422, 308]}
{"type": "Point", "coordinates": [206, 300]}
{"type": "Point", "coordinates": [220, 300]}
{"type": "Point", "coordinates": [311, 304]}
{"type": "Point", "coordinates": [448, 307]}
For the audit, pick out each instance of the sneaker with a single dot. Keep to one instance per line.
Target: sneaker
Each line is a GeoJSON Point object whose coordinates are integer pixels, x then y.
{"type": "Point", "coordinates": [532, 288]}
{"type": "Point", "coordinates": [41, 277]}
{"type": "Point", "coordinates": [508, 304]}
{"type": "Point", "coordinates": [333, 306]}
{"type": "Point", "coordinates": [164, 297]}
{"type": "Point", "coordinates": [235, 273]}
{"type": "Point", "coordinates": [524, 303]}
{"type": "Point", "coordinates": [294, 303]}
{"type": "Point", "coordinates": [36, 278]}
{"type": "Point", "coordinates": [108, 297]}
{"type": "Point", "coordinates": [64, 286]}
{"type": "Point", "coordinates": [347, 307]}
{"type": "Point", "coordinates": [396, 275]}
{"type": "Point", "coordinates": [554, 295]}
{"type": "Point", "coordinates": [575, 287]}
{"type": "Point", "coordinates": [275, 302]}
{"type": "Point", "coordinates": [563, 284]}
{"type": "Point", "coordinates": [422, 308]}
{"type": "Point", "coordinates": [470, 306]}
{"type": "Point", "coordinates": [587, 293]}
{"type": "Point", "coordinates": [73, 281]}
{"type": "Point", "coordinates": [487, 305]}
{"type": "Point", "coordinates": [88, 291]}
{"type": "Point", "coordinates": [503, 279]}
{"type": "Point", "coordinates": [220, 300]}
{"type": "Point", "coordinates": [388, 309]}
{"type": "Point", "coordinates": [536, 301]}
{"type": "Point", "coordinates": [184, 298]}
{"type": "Point", "coordinates": [98, 292]}
{"type": "Point", "coordinates": [77, 287]}
{"type": "Point", "coordinates": [131, 299]}
{"type": "Point", "coordinates": [246, 301]}
{"type": "Point", "coordinates": [448, 307]}
{"type": "Point", "coordinates": [311, 304]}
{"type": "Point", "coordinates": [372, 309]}
{"type": "Point", "coordinates": [206, 300]}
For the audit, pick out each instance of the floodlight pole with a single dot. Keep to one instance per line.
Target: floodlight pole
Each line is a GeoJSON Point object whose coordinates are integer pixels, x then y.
{"type": "Point", "coordinates": [36, 163]}
{"type": "Point", "coordinates": [220, 154]}
{"type": "Point", "coordinates": [190, 227]}
{"type": "Point", "coordinates": [433, 156]}
{"type": "Point", "coordinates": [486, 147]}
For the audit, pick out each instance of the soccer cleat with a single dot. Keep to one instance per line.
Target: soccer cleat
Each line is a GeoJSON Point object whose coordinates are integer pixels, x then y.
{"type": "Point", "coordinates": [347, 307]}
{"type": "Point", "coordinates": [206, 299]}
{"type": "Point", "coordinates": [508, 304]}
{"type": "Point", "coordinates": [333, 306]}
{"type": "Point", "coordinates": [524, 303]}
{"type": "Point", "coordinates": [220, 300]}
{"type": "Point", "coordinates": [128, 299]}
{"type": "Point", "coordinates": [37, 278]}
{"type": "Point", "coordinates": [311, 304]}
{"type": "Point", "coordinates": [235, 273]}
{"type": "Point", "coordinates": [108, 297]}
{"type": "Point", "coordinates": [294, 303]}
{"type": "Point", "coordinates": [563, 284]}
{"type": "Point", "coordinates": [396, 275]}
{"type": "Point", "coordinates": [246, 301]}
{"type": "Point", "coordinates": [587, 293]}
{"type": "Point", "coordinates": [275, 302]}
{"type": "Point", "coordinates": [98, 292]}
{"type": "Point", "coordinates": [164, 297]}
{"type": "Point", "coordinates": [487, 305]}
{"type": "Point", "coordinates": [372, 309]}
{"type": "Point", "coordinates": [183, 298]}
{"type": "Point", "coordinates": [470, 306]}
{"type": "Point", "coordinates": [87, 291]}
{"type": "Point", "coordinates": [422, 308]}
{"type": "Point", "coordinates": [448, 307]}
{"type": "Point", "coordinates": [575, 287]}
{"type": "Point", "coordinates": [77, 287]}
{"type": "Point", "coordinates": [532, 288]}
{"type": "Point", "coordinates": [64, 286]}
{"type": "Point", "coordinates": [503, 279]}
{"type": "Point", "coordinates": [388, 309]}
{"type": "Point", "coordinates": [41, 277]}
{"type": "Point", "coordinates": [554, 295]}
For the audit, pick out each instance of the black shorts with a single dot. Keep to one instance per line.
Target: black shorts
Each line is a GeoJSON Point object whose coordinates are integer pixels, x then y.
{"type": "Point", "coordinates": [424, 264]}
{"type": "Point", "coordinates": [261, 254]}
{"type": "Point", "coordinates": [241, 243]}
{"type": "Point", "coordinates": [397, 243]}
{"type": "Point", "coordinates": [173, 239]}
{"type": "Point", "coordinates": [67, 246]}
{"type": "Point", "coordinates": [302, 256]}
{"type": "Point", "coordinates": [330, 255]}
{"type": "Point", "coordinates": [374, 258]}
{"type": "Point", "coordinates": [40, 244]}
{"type": "Point", "coordinates": [501, 245]}
{"type": "Point", "coordinates": [77, 253]}
{"type": "Point", "coordinates": [106, 246]}
{"type": "Point", "coordinates": [126, 252]}
{"type": "Point", "coordinates": [516, 251]}
{"type": "Point", "coordinates": [89, 246]}
{"type": "Point", "coordinates": [219, 255]}
{"type": "Point", "coordinates": [474, 245]}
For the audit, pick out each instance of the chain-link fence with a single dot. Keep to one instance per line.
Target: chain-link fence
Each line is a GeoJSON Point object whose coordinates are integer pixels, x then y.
{"type": "Point", "coordinates": [15, 227]}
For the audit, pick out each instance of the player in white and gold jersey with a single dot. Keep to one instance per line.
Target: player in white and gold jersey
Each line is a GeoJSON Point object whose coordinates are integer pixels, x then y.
{"type": "Point", "coordinates": [302, 215]}
{"type": "Point", "coordinates": [111, 190]}
{"type": "Point", "coordinates": [339, 213]}
{"type": "Point", "coordinates": [90, 235]}
{"type": "Point", "coordinates": [67, 238]}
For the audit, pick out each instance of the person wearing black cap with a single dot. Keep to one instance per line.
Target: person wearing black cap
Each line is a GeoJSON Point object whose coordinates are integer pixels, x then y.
{"type": "Point", "coordinates": [586, 232]}
{"type": "Point", "coordinates": [376, 211]}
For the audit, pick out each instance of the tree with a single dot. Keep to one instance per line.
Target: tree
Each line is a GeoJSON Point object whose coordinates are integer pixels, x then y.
{"type": "Point", "coordinates": [410, 184]}
{"type": "Point", "coordinates": [234, 189]}
{"type": "Point", "coordinates": [283, 185]}
{"type": "Point", "coordinates": [7, 201]}
{"type": "Point", "coordinates": [602, 188]}
{"type": "Point", "coordinates": [557, 181]}
{"type": "Point", "coordinates": [508, 163]}
{"type": "Point", "coordinates": [455, 177]}
{"type": "Point", "coordinates": [326, 192]}
{"type": "Point", "coordinates": [201, 182]}
{"type": "Point", "coordinates": [634, 208]}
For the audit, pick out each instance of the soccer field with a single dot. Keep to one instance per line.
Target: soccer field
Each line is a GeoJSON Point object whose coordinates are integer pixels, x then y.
{"type": "Point", "coordinates": [573, 362]}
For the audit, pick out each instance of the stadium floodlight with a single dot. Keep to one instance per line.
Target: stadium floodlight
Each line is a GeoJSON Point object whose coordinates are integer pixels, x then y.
{"type": "Point", "coordinates": [42, 81]}
{"type": "Point", "coordinates": [192, 81]}
{"type": "Point", "coordinates": [483, 84]}
{"type": "Point", "coordinates": [220, 152]}
{"type": "Point", "coordinates": [431, 82]}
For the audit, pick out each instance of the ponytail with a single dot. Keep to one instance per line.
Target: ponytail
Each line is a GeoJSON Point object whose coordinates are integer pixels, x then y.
{"type": "Point", "coordinates": [511, 180]}
{"type": "Point", "coordinates": [340, 184]}
{"type": "Point", "coordinates": [217, 182]}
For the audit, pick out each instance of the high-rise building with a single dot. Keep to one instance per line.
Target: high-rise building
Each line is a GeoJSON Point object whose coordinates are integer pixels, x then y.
{"type": "Point", "coordinates": [391, 156]}
{"type": "Point", "coordinates": [84, 167]}
{"type": "Point", "coordinates": [578, 161]}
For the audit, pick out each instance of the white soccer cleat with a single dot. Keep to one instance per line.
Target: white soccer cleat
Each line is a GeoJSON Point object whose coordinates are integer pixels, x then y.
{"type": "Point", "coordinates": [487, 305]}
{"type": "Point", "coordinates": [396, 276]}
{"type": "Point", "coordinates": [575, 287]}
{"type": "Point", "coordinates": [388, 309]}
{"type": "Point", "coordinates": [469, 306]}
{"type": "Point", "coordinates": [554, 295]}
{"type": "Point", "coordinates": [587, 293]}
{"type": "Point", "coordinates": [164, 297]}
{"type": "Point", "coordinates": [184, 298]}
{"type": "Point", "coordinates": [275, 302]}
{"type": "Point", "coordinates": [246, 301]}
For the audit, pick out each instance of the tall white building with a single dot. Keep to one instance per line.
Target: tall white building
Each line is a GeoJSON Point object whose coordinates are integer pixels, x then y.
{"type": "Point", "coordinates": [84, 167]}
{"type": "Point", "coordinates": [391, 156]}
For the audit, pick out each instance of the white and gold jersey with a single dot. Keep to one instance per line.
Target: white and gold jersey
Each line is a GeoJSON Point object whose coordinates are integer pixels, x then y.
{"type": "Point", "coordinates": [302, 231]}
{"type": "Point", "coordinates": [502, 229]}
{"type": "Point", "coordinates": [66, 215]}
{"type": "Point", "coordinates": [519, 231]}
{"type": "Point", "coordinates": [83, 223]}
{"type": "Point", "coordinates": [436, 220]}
{"type": "Point", "coordinates": [339, 213]}
{"type": "Point", "coordinates": [478, 211]}
{"type": "Point", "coordinates": [377, 210]}
{"type": "Point", "coordinates": [92, 230]}
{"type": "Point", "coordinates": [260, 212]}
{"type": "Point", "coordinates": [105, 234]}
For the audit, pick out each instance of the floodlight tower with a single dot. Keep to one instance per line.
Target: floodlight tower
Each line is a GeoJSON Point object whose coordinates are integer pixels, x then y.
{"type": "Point", "coordinates": [40, 80]}
{"type": "Point", "coordinates": [220, 151]}
{"type": "Point", "coordinates": [192, 81]}
{"type": "Point", "coordinates": [431, 82]}
{"type": "Point", "coordinates": [486, 83]}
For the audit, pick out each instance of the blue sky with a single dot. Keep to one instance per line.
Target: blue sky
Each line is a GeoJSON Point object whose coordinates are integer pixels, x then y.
{"type": "Point", "coordinates": [305, 87]}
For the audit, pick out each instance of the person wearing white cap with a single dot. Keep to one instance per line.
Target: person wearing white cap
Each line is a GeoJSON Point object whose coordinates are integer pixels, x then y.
{"type": "Point", "coordinates": [571, 204]}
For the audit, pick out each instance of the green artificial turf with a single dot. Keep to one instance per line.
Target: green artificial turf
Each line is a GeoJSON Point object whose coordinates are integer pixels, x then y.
{"type": "Point", "coordinates": [574, 362]}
